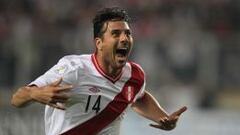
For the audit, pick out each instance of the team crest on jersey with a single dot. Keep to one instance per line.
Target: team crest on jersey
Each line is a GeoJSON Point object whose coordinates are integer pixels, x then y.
{"type": "Point", "coordinates": [129, 93]}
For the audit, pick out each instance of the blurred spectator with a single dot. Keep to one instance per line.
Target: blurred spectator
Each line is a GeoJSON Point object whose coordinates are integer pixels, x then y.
{"type": "Point", "coordinates": [189, 50]}
{"type": "Point", "coordinates": [184, 41]}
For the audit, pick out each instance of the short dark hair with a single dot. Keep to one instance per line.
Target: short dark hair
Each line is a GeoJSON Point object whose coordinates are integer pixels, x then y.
{"type": "Point", "coordinates": [108, 14]}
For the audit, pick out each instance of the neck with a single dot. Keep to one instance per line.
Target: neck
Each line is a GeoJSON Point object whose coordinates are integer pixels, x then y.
{"type": "Point", "coordinates": [106, 66]}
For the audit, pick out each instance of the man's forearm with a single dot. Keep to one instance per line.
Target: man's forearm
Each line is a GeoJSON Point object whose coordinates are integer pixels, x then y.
{"type": "Point", "coordinates": [148, 107]}
{"type": "Point", "coordinates": [22, 97]}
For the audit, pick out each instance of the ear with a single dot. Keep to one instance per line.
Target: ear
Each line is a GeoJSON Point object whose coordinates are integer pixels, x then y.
{"type": "Point", "coordinates": [98, 43]}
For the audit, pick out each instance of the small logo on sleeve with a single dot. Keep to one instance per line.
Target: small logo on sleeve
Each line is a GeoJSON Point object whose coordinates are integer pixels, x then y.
{"type": "Point", "coordinates": [61, 69]}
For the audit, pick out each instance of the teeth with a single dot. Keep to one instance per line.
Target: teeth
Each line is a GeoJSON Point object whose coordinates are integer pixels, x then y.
{"type": "Point", "coordinates": [122, 51]}
{"type": "Point", "coordinates": [123, 48]}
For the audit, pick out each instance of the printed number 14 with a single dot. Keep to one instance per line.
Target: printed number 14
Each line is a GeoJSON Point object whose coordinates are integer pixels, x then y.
{"type": "Point", "coordinates": [96, 105]}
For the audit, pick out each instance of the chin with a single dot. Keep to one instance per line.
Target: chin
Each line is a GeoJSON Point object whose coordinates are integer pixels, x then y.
{"type": "Point", "coordinates": [121, 65]}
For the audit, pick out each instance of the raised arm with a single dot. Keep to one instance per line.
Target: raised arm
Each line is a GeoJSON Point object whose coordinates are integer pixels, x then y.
{"type": "Point", "coordinates": [148, 107]}
{"type": "Point", "coordinates": [50, 95]}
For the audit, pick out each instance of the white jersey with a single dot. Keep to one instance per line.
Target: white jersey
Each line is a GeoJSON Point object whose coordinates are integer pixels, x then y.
{"type": "Point", "coordinates": [97, 101]}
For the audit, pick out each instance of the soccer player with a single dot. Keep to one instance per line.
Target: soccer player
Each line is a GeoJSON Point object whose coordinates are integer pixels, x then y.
{"type": "Point", "coordinates": [88, 94]}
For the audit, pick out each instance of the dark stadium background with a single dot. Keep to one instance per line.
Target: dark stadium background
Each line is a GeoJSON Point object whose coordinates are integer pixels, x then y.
{"type": "Point", "coordinates": [189, 49]}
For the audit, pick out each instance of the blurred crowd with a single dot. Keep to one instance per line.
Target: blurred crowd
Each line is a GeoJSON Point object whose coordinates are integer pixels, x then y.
{"type": "Point", "coordinates": [191, 43]}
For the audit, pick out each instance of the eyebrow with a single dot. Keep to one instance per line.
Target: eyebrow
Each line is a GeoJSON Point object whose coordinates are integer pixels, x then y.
{"type": "Point", "coordinates": [120, 30]}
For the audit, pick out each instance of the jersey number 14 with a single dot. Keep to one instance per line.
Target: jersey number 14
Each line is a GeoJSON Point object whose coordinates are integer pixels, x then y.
{"type": "Point", "coordinates": [96, 105]}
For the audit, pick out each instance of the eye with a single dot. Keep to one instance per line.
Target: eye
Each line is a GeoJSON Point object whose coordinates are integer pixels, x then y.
{"type": "Point", "coordinates": [128, 32]}
{"type": "Point", "coordinates": [116, 33]}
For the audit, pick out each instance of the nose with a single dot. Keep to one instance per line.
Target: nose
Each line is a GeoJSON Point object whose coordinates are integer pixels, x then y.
{"type": "Point", "coordinates": [124, 38]}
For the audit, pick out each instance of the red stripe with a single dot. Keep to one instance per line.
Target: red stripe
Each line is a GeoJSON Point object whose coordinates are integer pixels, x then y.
{"type": "Point", "coordinates": [113, 109]}
{"type": "Point", "coordinates": [101, 71]}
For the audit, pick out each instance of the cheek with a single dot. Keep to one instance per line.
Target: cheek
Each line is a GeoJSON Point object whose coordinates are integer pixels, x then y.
{"type": "Point", "coordinates": [110, 44]}
{"type": "Point", "coordinates": [131, 40]}
{"type": "Point", "coordinates": [107, 50]}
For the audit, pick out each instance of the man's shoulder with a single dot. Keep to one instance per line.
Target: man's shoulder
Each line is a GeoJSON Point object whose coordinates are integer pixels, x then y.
{"type": "Point", "coordinates": [136, 67]}
{"type": "Point", "coordinates": [137, 71]}
{"type": "Point", "coordinates": [73, 62]}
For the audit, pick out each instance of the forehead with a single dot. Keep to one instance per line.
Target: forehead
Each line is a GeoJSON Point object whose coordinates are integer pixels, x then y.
{"type": "Point", "coordinates": [114, 25]}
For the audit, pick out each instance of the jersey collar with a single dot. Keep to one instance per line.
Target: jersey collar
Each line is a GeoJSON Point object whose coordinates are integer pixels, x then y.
{"type": "Point", "coordinates": [101, 71]}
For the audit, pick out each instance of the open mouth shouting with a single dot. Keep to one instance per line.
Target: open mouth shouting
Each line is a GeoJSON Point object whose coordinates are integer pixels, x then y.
{"type": "Point", "coordinates": [121, 54]}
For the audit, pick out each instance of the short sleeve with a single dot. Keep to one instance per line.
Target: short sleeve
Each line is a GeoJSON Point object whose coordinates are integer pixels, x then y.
{"type": "Point", "coordinates": [141, 92]}
{"type": "Point", "coordinates": [138, 75]}
{"type": "Point", "coordinates": [63, 69]}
